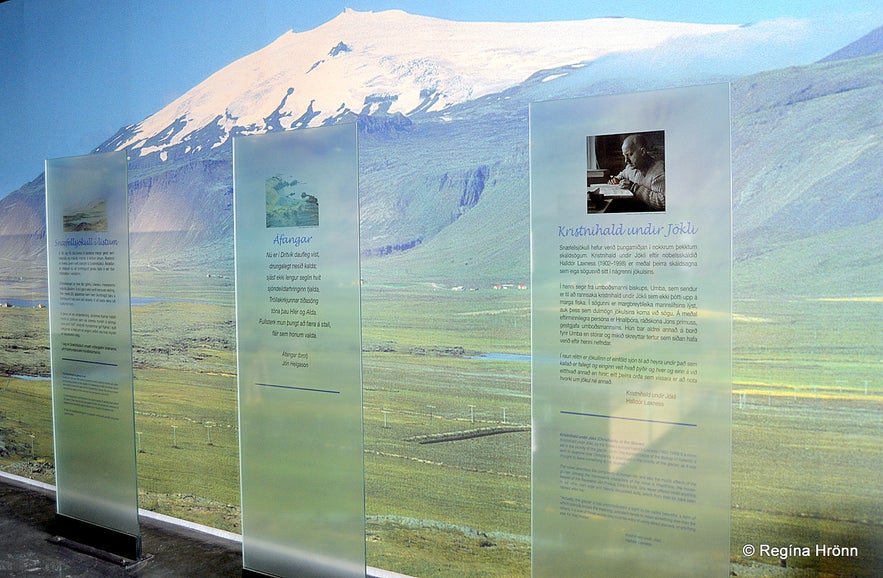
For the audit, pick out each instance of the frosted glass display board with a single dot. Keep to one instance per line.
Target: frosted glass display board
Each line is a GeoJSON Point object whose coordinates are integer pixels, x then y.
{"type": "Point", "coordinates": [631, 238]}
{"type": "Point", "coordinates": [90, 339]}
{"type": "Point", "coordinates": [299, 352]}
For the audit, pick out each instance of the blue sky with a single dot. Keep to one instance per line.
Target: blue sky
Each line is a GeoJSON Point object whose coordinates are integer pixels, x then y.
{"type": "Point", "coordinates": [75, 71]}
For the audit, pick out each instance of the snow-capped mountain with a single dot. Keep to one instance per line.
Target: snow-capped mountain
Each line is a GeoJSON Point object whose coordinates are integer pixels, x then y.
{"type": "Point", "coordinates": [385, 63]}
{"type": "Point", "coordinates": [443, 114]}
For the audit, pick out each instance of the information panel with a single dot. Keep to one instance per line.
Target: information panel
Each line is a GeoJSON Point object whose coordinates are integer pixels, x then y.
{"type": "Point", "coordinates": [90, 338]}
{"type": "Point", "coordinates": [631, 253]}
{"type": "Point", "coordinates": [299, 352]}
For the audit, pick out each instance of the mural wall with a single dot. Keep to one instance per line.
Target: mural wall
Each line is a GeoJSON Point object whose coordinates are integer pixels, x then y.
{"type": "Point", "coordinates": [442, 107]}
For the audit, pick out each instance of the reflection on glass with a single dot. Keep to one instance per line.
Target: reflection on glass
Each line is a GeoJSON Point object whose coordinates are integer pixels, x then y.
{"type": "Point", "coordinates": [299, 352]}
{"type": "Point", "coordinates": [90, 340]}
{"type": "Point", "coordinates": [631, 334]}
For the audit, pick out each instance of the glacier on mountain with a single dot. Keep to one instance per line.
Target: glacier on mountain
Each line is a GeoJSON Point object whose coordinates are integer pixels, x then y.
{"type": "Point", "coordinates": [384, 63]}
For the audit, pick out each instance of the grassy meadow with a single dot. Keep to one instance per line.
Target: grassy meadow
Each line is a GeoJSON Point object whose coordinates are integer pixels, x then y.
{"type": "Point", "coordinates": [807, 417]}
{"type": "Point", "coordinates": [807, 412]}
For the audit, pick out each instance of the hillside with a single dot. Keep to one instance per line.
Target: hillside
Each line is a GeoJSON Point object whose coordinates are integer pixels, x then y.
{"type": "Point", "coordinates": [444, 187]}
{"type": "Point", "coordinates": [806, 172]}
{"type": "Point", "coordinates": [870, 43]}
{"type": "Point", "coordinates": [806, 152]}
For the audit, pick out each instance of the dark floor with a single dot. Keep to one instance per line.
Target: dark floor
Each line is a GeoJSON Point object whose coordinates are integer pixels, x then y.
{"type": "Point", "coordinates": [170, 550]}
{"type": "Point", "coordinates": [27, 517]}
{"type": "Point", "coordinates": [29, 548]}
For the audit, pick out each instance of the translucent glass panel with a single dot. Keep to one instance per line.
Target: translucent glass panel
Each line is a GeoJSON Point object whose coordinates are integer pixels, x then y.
{"type": "Point", "coordinates": [87, 229]}
{"type": "Point", "coordinates": [631, 266]}
{"type": "Point", "coordinates": [299, 352]}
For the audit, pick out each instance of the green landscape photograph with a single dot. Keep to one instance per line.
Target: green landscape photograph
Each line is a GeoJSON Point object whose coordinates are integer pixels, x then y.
{"type": "Point", "coordinates": [445, 241]}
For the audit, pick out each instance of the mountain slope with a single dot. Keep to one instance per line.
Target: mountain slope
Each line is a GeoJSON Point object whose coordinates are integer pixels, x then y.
{"type": "Point", "coordinates": [806, 147]}
{"type": "Point", "coordinates": [385, 63]}
{"type": "Point", "coordinates": [806, 167]}
{"type": "Point", "coordinates": [870, 43]}
{"type": "Point", "coordinates": [444, 189]}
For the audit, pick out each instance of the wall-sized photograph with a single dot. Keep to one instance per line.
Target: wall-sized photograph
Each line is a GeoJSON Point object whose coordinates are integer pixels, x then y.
{"type": "Point", "coordinates": [441, 92]}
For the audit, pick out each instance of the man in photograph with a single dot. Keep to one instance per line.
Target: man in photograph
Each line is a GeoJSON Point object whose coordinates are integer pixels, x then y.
{"type": "Point", "coordinates": [643, 174]}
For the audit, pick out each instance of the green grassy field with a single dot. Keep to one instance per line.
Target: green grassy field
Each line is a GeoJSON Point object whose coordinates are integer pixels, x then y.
{"type": "Point", "coordinates": [807, 417]}
{"type": "Point", "coordinates": [807, 412]}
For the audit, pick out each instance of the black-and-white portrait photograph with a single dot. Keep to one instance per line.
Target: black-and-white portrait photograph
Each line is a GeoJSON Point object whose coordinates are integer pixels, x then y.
{"type": "Point", "coordinates": [625, 173]}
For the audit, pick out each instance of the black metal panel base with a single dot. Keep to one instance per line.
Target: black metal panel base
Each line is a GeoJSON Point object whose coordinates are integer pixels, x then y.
{"type": "Point", "coordinates": [98, 541]}
{"type": "Point", "coordinates": [246, 573]}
